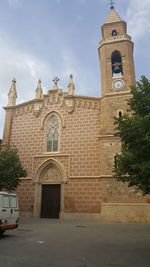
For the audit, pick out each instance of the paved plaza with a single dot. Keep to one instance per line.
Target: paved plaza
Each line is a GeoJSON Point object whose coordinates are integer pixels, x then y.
{"type": "Point", "coordinates": [61, 243]}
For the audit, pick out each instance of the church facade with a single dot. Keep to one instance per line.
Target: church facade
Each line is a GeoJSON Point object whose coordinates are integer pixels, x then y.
{"type": "Point", "coordinates": [66, 142]}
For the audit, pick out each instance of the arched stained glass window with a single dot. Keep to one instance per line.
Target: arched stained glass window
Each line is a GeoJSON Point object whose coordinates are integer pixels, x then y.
{"type": "Point", "coordinates": [52, 133]}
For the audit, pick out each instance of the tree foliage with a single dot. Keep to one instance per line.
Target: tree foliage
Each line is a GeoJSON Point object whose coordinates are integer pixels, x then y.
{"type": "Point", "coordinates": [10, 169]}
{"type": "Point", "coordinates": [133, 164]}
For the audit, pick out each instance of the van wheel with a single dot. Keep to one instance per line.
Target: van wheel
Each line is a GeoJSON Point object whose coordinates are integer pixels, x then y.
{"type": "Point", "coordinates": [2, 231]}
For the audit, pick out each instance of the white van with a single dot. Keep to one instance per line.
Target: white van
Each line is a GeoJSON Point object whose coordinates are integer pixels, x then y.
{"type": "Point", "coordinates": [9, 211]}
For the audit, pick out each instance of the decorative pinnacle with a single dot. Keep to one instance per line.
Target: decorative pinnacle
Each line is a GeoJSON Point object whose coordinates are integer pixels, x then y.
{"type": "Point", "coordinates": [39, 83]}
{"type": "Point", "coordinates": [112, 3]}
{"type": "Point", "coordinates": [14, 81]}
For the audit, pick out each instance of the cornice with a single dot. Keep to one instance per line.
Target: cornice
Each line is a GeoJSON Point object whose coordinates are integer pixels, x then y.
{"type": "Point", "coordinates": [24, 104]}
{"type": "Point", "coordinates": [118, 94]}
{"type": "Point", "coordinates": [108, 136]}
{"type": "Point", "coordinates": [85, 97]}
{"type": "Point", "coordinates": [115, 40]}
{"type": "Point", "coordinates": [91, 177]}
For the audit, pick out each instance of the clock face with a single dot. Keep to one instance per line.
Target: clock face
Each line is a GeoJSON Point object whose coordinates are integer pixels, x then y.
{"type": "Point", "coordinates": [118, 84]}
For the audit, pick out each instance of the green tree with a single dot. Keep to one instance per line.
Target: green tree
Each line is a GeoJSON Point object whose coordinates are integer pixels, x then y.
{"type": "Point", "coordinates": [133, 164]}
{"type": "Point", "coordinates": [10, 169]}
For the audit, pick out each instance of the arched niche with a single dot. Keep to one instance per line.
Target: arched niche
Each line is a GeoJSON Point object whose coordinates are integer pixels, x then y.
{"type": "Point", "coordinates": [45, 167]}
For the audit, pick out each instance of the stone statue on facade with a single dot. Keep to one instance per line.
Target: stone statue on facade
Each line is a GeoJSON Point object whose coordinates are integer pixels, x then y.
{"type": "Point", "coordinates": [39, 91]}
{"type": "Point", "coordinates": [12, 95]}
{"type": "Point", "coordinates": [71, 86]}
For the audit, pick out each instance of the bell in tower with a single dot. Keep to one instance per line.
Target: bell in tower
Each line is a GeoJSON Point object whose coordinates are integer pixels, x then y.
{"type": "Point", "coordinates": [116, 61]}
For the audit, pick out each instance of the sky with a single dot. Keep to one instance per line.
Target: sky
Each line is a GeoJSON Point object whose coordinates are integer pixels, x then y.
{"type": "Point", "coordinates": [48, 38]}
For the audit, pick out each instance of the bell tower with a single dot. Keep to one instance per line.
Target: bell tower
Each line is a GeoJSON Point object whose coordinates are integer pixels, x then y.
{"type": "Point", "coordinates": [116, 56]}
{"type": "Point", "coordinates": [117, 75]}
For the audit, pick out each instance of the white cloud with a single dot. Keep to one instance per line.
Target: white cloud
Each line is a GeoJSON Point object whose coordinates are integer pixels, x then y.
{"type": "Point", "coordinates": [26, 68]}
{"type": "Point", "coordinates": [68, 60]}
{"type": "Point", "coordinates": [71, 65]}
{"type": "Point", "coordinates": [138, 18]}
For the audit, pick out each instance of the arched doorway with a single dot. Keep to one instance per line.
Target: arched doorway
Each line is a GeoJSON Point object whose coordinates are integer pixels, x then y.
{"type": "Point", "coordinates": [49, 190]}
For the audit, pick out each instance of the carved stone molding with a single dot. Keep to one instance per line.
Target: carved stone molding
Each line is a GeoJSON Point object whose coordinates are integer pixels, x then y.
{"type": "Point", "coordinates": [42, 163]}
{"type": "Point", "coordinates": [87, 104]}
{"type": "Point", "coordinates": [20, 111]}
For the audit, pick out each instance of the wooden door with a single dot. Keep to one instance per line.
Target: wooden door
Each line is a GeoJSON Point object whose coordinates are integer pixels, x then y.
{"type": "Point", "coordinates": [50, 206]}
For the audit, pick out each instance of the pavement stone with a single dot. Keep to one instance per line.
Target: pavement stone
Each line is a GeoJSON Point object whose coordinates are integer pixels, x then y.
{"type": "Point", "coordinates": [79, 243]}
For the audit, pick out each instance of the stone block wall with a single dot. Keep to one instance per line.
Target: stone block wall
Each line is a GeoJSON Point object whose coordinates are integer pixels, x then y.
{"type": "Point", "coordinates": [85, 154]}
{"type": "Point", "coordinates": [25, 193]}
{"type": "Point", "coordinates": [87, 194]}
{"type": "Point", "coordinates": [127, 213]}
{"type": "Point", "coordinates": [83, 196]}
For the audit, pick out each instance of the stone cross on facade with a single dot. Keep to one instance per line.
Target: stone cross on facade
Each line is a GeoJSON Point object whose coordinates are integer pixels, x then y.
{"type": "Point", "coordinates": [14, 81]}
{"type": "Point", "coordinates": [55, 80]}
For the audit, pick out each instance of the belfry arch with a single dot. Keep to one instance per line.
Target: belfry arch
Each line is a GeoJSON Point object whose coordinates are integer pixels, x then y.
{"type": "Point", "coordinates": [116, 61]}
{"type": "Point", "coordinates": [50, 172]}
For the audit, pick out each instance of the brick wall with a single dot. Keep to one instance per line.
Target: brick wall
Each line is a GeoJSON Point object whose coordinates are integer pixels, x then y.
{"type": "Point", "coordinates": [25, 193]}
{"type": "Point", "coordinates": [83, 195]}
{"type": "Point", "coordinates": [86, 158]}
{"type": "Point", "coordinates": [79, 145]}
{"type": "Point", "coordinates": [86, 195]}
{"type": "Point", "coordinates": [79, 138]}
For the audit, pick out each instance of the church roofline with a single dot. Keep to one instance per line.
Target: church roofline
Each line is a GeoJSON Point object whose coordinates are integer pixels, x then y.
{"type": "Point", "coordinates": [98, 98]}
{"type": "Point", "coordinates": [23, 104]}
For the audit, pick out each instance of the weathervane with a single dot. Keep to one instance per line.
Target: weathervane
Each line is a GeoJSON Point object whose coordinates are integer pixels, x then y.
{"type": "Point", "coordinates": [112, 3]}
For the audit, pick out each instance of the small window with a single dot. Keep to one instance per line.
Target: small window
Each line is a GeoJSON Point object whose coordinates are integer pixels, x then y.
{"type": "Point", "coordinates": [52, 133]}
{"type": "Point", "coordinates": [114, 33]}
{"type": "Point", "coordinates": [120, 114]}
{"type": "Point", "coordinates": [6, 202]}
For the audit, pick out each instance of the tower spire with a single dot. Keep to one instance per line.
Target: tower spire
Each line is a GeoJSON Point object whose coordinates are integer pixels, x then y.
{"type": "Point", "coordinates": [113, 16]}
{"type": "Point", "coordinates": [112, 3]}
